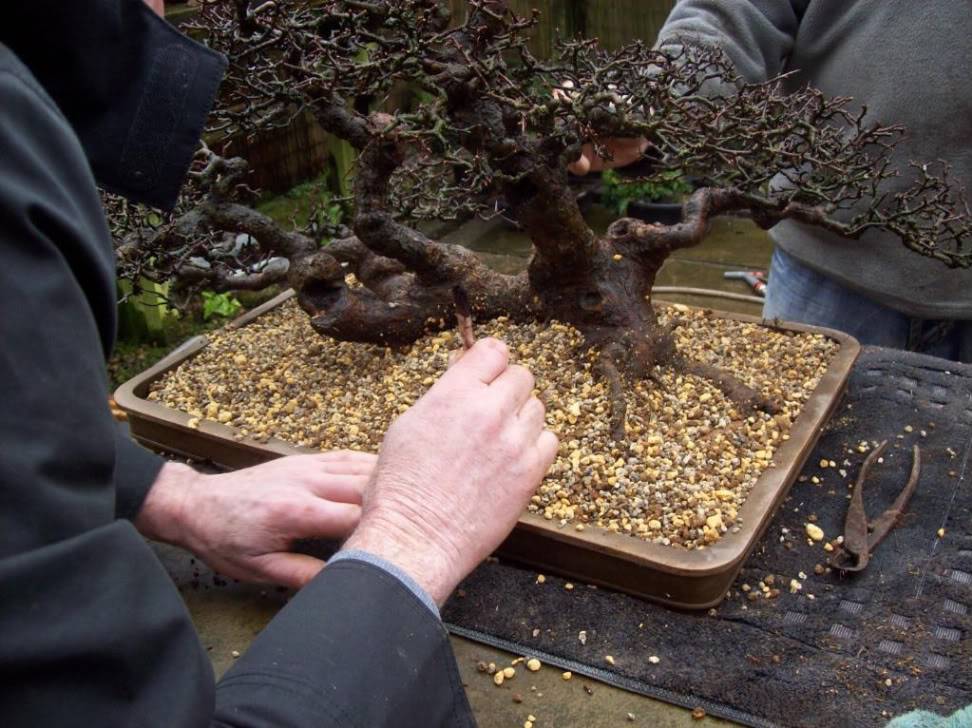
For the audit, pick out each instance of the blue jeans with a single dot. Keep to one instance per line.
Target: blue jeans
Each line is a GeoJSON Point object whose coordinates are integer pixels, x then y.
{"type": "Point", "coordinates": [798, 293]}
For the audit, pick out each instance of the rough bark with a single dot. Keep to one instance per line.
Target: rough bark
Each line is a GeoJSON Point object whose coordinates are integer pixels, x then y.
{"type": "Point", "coordinates": [489, 126]}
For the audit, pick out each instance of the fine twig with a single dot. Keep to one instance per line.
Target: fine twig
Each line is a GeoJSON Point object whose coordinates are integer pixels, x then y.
{"type": "Point", "coordinates": [463, 317]}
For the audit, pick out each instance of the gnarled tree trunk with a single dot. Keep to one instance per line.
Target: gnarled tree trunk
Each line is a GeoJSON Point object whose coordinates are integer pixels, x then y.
{"type": "Point", "coordinates": [488, 126]}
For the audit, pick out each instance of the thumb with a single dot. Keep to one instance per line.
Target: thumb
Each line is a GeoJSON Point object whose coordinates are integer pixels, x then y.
{"type": "Point", "coordinates": [285, 569]}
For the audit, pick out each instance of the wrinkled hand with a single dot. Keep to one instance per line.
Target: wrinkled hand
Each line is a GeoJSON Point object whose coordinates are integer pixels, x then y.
{"type": "Point", "coordinates": [623, 150]}
{"type": "Point", "coordinates": [242, 524]}
{"type": "Point", "coordinates": [456, 470]}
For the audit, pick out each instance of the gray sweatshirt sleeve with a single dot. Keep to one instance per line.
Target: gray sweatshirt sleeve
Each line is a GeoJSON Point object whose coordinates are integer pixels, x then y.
{"type": "Point", "coordinates": [757, 35]}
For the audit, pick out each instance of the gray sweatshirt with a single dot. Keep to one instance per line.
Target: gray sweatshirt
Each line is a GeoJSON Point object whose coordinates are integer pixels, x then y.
{"type": "Point", "coordinates": [909, 62]}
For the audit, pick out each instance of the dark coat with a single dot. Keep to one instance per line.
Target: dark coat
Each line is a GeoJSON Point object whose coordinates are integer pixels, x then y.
{"type": "Point", "coordinates": [92, 631]}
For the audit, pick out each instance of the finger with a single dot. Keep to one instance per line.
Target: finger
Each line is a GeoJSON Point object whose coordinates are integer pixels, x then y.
{"type": "Point", "coordinates": [454, 356]}
{"type": "Point", "coordinates": [624, 151]}
{"type": "Point", "coordinates": [321, 518]}
{"type": "Point", "coordinates": [349, 463]}
{"type": "Point", "coordinates": [513, 387]}
{"type": "Point", "coordinates": [532, 416]}
{"type": "Point", "coordinates": [581, 167]}
{"type": "Point", "coordinates": [485, 361]}
{"type": "Point", "coordinates": [293, 570]}
{"type": "Point", "coordinates": [364, 469]}
{"type": "Point", "coordinates": [341, 487]}
{"type": "Point", "coordinates": [347, 456]}
{"type": "Point", "coordinates": [547, 446]}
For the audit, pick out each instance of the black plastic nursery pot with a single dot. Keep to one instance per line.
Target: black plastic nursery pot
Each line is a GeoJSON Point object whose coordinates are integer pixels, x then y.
{"type": "Point", "coordinates": [661, 213]}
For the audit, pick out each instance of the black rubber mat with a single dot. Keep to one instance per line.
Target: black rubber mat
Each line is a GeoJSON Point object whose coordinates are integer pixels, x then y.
{"type": "Point", "coordinates": [843, 651]}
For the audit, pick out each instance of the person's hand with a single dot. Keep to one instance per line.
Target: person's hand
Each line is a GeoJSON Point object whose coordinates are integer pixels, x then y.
{"type": "Point", "coordinates": [158, 6]}
{"type": "Point", "coordinates": [623, 150]}
{"type": "Point", "coordinates": [243, 523]}
{"type": "Point", "coordinates": [456, 471]}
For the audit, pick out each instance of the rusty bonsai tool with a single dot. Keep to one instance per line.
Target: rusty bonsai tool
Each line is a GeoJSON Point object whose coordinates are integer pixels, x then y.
{"type": "Point", "coordinates": [862, 537]}
{"type": "Point", "coordinates": [463, 317]}
{"type": "Point", "coordinates": [755, 279]}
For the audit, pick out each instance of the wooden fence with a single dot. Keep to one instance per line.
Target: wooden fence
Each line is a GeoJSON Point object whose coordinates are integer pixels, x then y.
{"type": "Point", "coordinates": [613, 22]}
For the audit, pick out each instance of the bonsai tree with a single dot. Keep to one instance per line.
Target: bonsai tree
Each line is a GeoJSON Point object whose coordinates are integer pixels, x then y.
{"type": "Point", "coordinates": [494, 128]}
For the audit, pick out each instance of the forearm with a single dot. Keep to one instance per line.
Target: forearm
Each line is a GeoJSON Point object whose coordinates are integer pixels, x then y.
{"type": "Point", "coordinates": [400, 540]}
{"type": "Point", "coordinates": [163, 513]}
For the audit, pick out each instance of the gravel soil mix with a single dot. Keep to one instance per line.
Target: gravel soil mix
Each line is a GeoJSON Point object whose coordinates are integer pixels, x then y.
{"type": "Point", "coordinates": [679, 478]}
{"type": "Point", "coordinates": [845, 650]}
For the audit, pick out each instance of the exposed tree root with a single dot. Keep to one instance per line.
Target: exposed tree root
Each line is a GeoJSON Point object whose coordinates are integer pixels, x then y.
{"type": "Point", "coordinates": [389, 306]}
{"type": "Point", "coordinates": [619, 366]}
{"type": "Point", "coordinates": [742, 395]}
{"type": "Point", "coordinates": [608, 369]}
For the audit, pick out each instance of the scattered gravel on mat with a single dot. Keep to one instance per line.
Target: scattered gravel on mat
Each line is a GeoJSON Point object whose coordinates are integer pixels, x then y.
{"type": "Point", "coordinates": [680, 479]}
{"type": "Point", "coordinates": [815, 532]}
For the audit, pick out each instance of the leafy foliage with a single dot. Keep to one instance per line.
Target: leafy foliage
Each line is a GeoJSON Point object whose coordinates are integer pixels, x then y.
{"type": "Point", "coordinates": [618, 192]}
{"type": "Point", "coordinates": [224, 305]}
{"type": "Point", "coordinates": [309, 204]}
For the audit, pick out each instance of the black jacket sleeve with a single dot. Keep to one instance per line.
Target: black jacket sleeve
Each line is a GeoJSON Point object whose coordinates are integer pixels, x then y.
{"type": "Point", "coordinates": [91, 630]}
{"type": "Point", "coordinates": [354, 649]}
{"type": "Point", "coordinates": [135, 92]}
{"type": "Point", "coordinates": [135, 470]}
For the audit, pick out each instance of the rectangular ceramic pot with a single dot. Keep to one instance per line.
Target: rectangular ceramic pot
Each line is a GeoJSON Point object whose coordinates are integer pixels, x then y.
{"type": "Point", "coordinates": [696, 579]}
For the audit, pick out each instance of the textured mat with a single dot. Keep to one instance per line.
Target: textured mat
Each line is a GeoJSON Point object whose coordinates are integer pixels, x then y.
{"type": "Point", "coordinates": [844, 651]}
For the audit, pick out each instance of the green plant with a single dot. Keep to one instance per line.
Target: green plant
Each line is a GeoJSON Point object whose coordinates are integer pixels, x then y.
{"type": "Point", "coordinates": [618, 192]}
{"type": "Point", "coordinates": [311, 207]}
{"type": "Point", "coordinates": [144, 314]}
{"type": "Point", "coordinates": [328, 212]}
{"type": "Point", "coordinates": [219, 304]}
